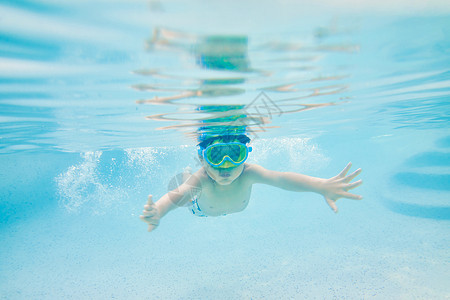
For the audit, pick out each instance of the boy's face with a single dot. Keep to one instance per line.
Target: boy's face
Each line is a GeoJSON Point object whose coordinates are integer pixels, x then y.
{"type": "Point", "coordinates": [224, 175]}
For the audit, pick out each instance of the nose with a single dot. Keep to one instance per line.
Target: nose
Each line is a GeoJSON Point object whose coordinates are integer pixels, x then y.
{"type": "Point", "coordinates": [227, 164]}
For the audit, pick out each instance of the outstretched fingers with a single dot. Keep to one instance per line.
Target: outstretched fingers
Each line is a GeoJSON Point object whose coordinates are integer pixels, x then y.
{"type": "Point", "coordinates": [350, 196]}
{"type": "Point", "coordinates": [151, 227]}
{"type": "Point", "coordinates": [332, 204]}
{"type": "Point", "coordinates": [353, 175]}
{"type": "Point", "coordinates": [353, 185]}
{"type": "Point", "coordinates": [345, 171]}
{"type": "Point", "coordinates": [341, 184]}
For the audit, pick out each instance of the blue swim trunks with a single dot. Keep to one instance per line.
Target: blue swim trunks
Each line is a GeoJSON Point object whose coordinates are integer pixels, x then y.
{"type": "Point", "coordinates": [195, 208]}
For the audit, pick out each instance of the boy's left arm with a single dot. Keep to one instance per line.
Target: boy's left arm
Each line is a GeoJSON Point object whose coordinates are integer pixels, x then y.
{"type": "Point", "coordinates": [331, 189]}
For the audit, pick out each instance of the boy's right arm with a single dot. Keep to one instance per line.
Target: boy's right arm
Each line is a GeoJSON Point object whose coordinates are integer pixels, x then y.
{"type": "Point", "coordinates": [153, 212]}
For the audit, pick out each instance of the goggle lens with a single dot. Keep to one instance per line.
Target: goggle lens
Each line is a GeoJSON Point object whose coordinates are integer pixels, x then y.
{"type": "Point", "coordinates": [216, 154]}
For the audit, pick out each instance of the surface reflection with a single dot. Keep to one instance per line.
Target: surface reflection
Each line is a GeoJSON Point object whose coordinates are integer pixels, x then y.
{"type": "Point", "coordinates": [223, 84]}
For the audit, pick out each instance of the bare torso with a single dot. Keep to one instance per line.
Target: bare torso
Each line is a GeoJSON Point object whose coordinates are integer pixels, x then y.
{"type": "Point", "coordinates": [217, 200]}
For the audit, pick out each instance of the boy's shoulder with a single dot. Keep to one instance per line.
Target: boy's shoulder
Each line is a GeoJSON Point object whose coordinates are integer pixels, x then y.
{"type": "Point", "coordinates": [200, 173]}
{"type": "Point", "coordinates": [253, 171]}
{"type": "Point", "coordinates": [253, 168]}
{"type": "Point", "coordinates": [258, 174]}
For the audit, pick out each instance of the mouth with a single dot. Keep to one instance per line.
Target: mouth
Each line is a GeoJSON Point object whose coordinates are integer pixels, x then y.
{"type": "Point", "coordinates": [224, 173]}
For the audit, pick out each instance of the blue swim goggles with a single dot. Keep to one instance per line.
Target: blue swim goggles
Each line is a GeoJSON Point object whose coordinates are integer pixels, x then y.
{"type": "Point", "coordinates": [217, 155]}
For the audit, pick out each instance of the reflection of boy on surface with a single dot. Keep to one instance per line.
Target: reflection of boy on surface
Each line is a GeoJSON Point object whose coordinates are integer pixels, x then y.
{"type": "Point", "coordinates": [223, 185]}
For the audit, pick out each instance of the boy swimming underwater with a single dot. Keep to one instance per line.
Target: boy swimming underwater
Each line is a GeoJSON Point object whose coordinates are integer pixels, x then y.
{"type": "Point", "coordinates": [223, 185]}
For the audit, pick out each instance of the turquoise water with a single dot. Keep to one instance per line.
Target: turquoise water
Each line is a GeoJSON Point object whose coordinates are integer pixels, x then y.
{"type": "Point", "coordinates": [101, 103]}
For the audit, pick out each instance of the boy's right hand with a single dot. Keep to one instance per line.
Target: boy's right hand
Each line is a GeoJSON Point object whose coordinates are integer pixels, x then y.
{"type": "Point", "coordinates": [150, 215]}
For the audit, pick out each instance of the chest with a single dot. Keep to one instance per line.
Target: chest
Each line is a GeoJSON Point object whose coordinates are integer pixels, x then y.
{"type": "Point", "coordinates": [219, 200]}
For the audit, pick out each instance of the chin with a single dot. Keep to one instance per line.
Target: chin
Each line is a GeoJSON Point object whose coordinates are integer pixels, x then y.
{"type": "Point", "coordinates": [224, 182]}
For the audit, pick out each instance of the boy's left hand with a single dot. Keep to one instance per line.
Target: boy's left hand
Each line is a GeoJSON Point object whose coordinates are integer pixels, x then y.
{"type": "Point", "coordinates": [338, 186]}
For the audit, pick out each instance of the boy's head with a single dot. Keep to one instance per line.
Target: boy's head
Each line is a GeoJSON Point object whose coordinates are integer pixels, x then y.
{"type": "Point", "coordinates": [223, 156]}
{"type": "Point", "coordinates": [241, 138]}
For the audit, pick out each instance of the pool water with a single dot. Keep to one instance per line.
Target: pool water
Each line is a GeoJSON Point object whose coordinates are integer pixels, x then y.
{"type": "Point", "coordinates": [101, 104]}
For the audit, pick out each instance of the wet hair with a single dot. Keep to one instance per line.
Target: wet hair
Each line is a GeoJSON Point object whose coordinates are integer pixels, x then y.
{"type": "Point", "coordinates": [225, 139]}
